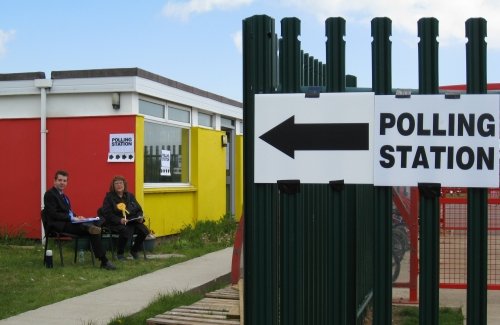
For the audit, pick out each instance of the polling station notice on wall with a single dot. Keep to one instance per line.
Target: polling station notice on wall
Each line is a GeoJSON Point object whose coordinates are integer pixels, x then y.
{"type": "Point", "coordinates": [165, 163]}
{"type": "Point", "coordinates": [121, 147]}
{"type": "Point", "coordinates": [433, 139]}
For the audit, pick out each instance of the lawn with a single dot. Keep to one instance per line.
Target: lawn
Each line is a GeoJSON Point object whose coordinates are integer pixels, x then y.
{"type": "Point", "coordinates": [27, 284]}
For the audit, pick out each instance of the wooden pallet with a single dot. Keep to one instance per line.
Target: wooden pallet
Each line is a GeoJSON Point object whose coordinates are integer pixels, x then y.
{"type": "Point", "coordinates": [218, 307]}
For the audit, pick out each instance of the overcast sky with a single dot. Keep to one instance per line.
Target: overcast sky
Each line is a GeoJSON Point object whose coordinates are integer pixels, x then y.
{"type": "Point", "coordinates": [198, 42]}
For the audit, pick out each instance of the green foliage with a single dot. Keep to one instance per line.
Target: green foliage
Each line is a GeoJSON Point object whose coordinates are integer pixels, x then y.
{"type": "Point", "coordinates": [410, 316]}
{"type": "Point", "coordinates": [450, 316]}
{"type": "Point", "coordinates": [206, 232]}
{"type": "Point", "coordinates": [26, 284]}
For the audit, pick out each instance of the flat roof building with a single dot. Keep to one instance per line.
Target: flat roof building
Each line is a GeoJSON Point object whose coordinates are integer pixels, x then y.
{"type": "Point", "coordinates": [179, 147]}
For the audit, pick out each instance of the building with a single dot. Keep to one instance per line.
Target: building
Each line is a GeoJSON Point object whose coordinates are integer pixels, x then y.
{"type": "Point", "coordinates": [179, 147]}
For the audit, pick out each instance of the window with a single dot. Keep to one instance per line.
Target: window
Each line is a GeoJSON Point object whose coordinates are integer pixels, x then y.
{"type": "Point", "coordinates": [151, 109]}
{"type": "Point", "coordinates": [205, 119]}
{"type": "Point", "coordinates": [166, 153]}
{"type": "Point", "coordinates": [179, 115]}
{"type": "Point", "coordinates": [227, 122]}
{"type": "Point", "coordinates": [166, 144]}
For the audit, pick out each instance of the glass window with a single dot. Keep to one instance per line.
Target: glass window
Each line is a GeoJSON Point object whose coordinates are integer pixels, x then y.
{"type": "Point", "coordinates": [179, 115]}
{"type": "Point", "coordinates": [151, 109]}
{"type": "Point", "coordinates": [226, 122]}
{"type": "Point", "coordinates": [205, 119]}
{"type": "Point", "coordinates": [166, 153]}
{"type": "Point", "coordinates": [240, 124]}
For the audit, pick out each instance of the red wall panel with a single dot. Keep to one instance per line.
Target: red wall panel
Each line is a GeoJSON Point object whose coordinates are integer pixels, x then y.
{"type": "Point", "coordinates": [20, 176]}
{"type": "Point", "coordinates": [77, 145]}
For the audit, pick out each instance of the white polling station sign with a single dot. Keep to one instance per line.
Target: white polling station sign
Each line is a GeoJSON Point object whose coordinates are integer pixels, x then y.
{"type": "Point", "coordinates": [433, 139]}
{"type": "Point", "coordinates": [121, 147]}
{"type": "Point", "coordinates": [315, 140]}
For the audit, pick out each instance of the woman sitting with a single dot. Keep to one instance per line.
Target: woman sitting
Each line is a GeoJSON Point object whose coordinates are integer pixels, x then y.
{"type": "Point", "coordinates": [123, 215]}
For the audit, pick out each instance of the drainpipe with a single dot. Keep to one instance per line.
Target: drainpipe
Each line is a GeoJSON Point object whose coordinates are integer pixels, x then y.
{"type": "Point", "coordinates": [43, 85]}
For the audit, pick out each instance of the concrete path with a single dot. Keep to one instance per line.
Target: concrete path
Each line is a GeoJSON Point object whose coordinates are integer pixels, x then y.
{"type": "Point", "coordinates": [129, 297]}
{"type": "Point", "coordinates": [458, 298]}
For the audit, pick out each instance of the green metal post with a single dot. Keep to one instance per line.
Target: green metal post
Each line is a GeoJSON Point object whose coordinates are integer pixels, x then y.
{"type": "Point", "coordinates": [259, 76]}
{"type": "Point", "coordinates": [339, 286]}
{"type": "Point", "coordinates": [307, 81]}
{"type": "Point", "coordinates": [428, 49]}
{"type": "Point", "coordinates": [290, 215]}
{"type": "Point", "coordinates": [429, 193]}
{"type": "Point", "coordinates": [364, 248]}
{"type": "Point", "coordinates": [429, 253]}
{"type": "Point", "coordinates": [335, 54]}
{"type": "Point", "coordinates": [316, 72]}
{"type": "Point", "coordinates": [351, 81]}
{"type": "Point", "coordinates": [324, 76]}
{"type": "Point", "coordinates": [292, 258]}
{"type": "Point", "coordinates": [343, 200]}
{"type": "Point", "coordinates": [290, 59]}
{"type": "Point", "coordinates": [301, 67]}
{"type": "Point", "coordinates": [321, 74]}
{"type": "Point", "coordinates": [311, 70]}
{"type": "Point", "coordinates": [381, 84]}
{"type": "Point", "coordinates": [477, 198]}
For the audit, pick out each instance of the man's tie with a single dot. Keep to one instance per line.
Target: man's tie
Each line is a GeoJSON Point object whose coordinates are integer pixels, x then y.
{"type": "Point", "coordinates": [65, 198]}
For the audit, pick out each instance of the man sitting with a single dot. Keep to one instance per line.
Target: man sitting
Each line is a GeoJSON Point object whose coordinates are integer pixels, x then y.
{"type": "Point", "coordinates": [60, 217]}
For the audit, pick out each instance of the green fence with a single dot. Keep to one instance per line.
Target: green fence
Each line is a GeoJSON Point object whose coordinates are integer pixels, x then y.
{"type": "Point", "coordinates": [320, 253]}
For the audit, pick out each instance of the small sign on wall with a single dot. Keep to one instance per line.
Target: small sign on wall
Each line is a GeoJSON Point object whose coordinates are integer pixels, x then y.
{"type": "Point", "coordinates": [121, 147]}
{"type": "Point", "coordinates": [165, 163]}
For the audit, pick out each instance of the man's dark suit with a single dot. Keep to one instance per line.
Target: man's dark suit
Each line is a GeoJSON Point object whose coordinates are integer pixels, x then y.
{"type": "Point", "coordinates": [57, 211]}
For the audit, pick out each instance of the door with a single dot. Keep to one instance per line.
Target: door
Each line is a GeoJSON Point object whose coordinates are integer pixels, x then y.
{"type": "Point", "coordinates": [230, 190]}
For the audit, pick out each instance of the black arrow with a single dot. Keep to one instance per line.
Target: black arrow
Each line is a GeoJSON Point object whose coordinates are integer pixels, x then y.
{"type": "Point", "coordinates": [288, 136]}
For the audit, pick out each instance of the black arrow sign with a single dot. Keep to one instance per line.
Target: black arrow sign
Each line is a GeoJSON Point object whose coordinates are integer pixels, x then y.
{"type": "Point", "coordinates": [288, 136]}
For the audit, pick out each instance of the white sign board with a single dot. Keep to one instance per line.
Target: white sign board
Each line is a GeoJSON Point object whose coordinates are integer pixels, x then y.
{"type": "Point", "coordinates": [121, 147]}
{"type": "Point", "coordinates": [431, 139]}
{"type": "Point", "coordinates": [315, 140]}
{"type": "Point", "coordinates": [165, 163]}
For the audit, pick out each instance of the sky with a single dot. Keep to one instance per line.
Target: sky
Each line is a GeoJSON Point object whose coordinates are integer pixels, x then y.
{"type": "Point", "coordinates": [199, 42]}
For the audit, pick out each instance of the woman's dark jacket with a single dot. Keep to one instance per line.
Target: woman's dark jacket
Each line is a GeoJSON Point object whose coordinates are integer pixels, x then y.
{"type": "Point", "coordinates": [112, 214]}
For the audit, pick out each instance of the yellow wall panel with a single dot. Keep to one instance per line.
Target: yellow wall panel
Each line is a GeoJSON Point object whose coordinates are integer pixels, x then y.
{"type": "Point", "coordinates": [139, 159]}
{"type": "Point", "coordinates": [168, 211]}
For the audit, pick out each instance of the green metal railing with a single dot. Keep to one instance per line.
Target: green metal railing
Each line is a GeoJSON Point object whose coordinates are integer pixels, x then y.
{"type": "Point", "coordinates": [477, 198]}
{"type": "Point", "coordinates": [321, 253]}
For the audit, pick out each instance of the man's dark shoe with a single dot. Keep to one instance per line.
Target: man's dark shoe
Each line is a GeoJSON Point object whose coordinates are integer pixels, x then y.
{"type": "Point", "coordinates": [121, 257]}
{"type": "Point", "coordinates": [108, 266]}
{"type": "Point", "coordinates": [94, 230]}
{"type": "Point", "coordinates": [134, 254]}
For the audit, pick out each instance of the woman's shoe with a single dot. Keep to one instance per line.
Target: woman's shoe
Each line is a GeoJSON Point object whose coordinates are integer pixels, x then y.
{"type": "Point", "coordinates": [134, 254]}
{"type": "Point", "coordinates": [108, 266]}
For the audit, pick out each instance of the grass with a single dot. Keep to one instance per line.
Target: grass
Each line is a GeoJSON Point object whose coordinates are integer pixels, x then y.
{"type": "Point", "coordinates": [409, 316]}
{"type": "Point", "coordinates": [159, 306]}
{"type": "Point", "coordinates": [26, 284]}
{"type": "Point", "coordinates": [162, 304]}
